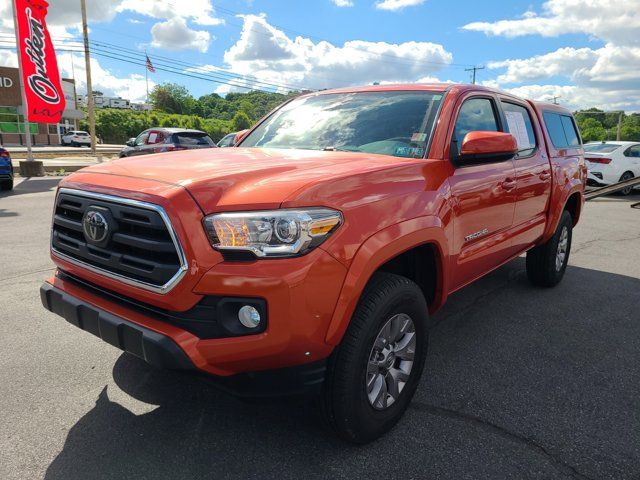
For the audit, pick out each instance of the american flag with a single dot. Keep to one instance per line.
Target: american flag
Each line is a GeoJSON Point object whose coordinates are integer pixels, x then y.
{"type": "Point", "coordinates": [150, 65]}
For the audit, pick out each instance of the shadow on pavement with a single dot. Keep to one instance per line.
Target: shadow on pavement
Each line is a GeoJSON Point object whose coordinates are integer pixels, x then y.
{"type": "Point", "coordinates": [520, 383]}
{"type": "Point", "coordinates": [33, 185]}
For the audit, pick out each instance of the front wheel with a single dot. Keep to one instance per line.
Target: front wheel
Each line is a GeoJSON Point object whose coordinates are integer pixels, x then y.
{"type": "Point", "coordinates": [375, 371]}
{"type": "Point", "coordinates": [547, 263]}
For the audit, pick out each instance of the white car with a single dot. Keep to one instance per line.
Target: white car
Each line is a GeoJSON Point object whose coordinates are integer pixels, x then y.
{"type": "Point", "coordinates": [76, 138]}
{"type": "Point", "coordinates": [612, 162]}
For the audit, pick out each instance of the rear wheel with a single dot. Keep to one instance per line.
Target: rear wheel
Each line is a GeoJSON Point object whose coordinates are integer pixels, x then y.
{"type": "Point", "coordinates": [375, 371]}
{"type": "Point", "coordinates": [626, 176]}
{"type": "Point", "coordinates": [547, 263]}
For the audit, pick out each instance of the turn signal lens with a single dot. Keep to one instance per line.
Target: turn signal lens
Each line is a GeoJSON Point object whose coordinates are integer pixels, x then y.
{"type": "Point", "coordinates": [276, 233]}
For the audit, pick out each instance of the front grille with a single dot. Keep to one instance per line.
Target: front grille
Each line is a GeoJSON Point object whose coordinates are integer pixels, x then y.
{"type": "Point", "coordinates": [140, 247]}
{"type": "Point", "coordinates": [597, 174]}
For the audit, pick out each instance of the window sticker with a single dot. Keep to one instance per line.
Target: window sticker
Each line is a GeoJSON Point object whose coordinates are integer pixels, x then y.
{"type": "Point", "coordinates": [518, 129]}
{"type": "Point", "coordinates": [406, 151]}
{"type": "Point", "coordinates": [419, 137]}
{"type": "Point", "coordinates": [152, 138]}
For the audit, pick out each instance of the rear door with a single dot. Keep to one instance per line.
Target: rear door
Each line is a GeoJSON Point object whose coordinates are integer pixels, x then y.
{"type": "Point", "coordinates": [483, 197]}
{"type": "Point", "coordinates": [532, 173]}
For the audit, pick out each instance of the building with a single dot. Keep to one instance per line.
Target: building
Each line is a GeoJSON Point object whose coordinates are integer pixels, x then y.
{"type": "Point", "coordinates": [11, 120]}
{"type": "Point", "coordinates": [141, 107]}
{"type": "Point", "coordinates": [100, 101]}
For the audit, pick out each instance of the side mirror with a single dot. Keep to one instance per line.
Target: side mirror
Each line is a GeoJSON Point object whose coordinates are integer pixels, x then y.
{"type": "Point", "coordinates": [240, 136]}
{"type": "Point", "coordinates": [487, 147]}
{"type": "Point", "coordinates": [131, 142]}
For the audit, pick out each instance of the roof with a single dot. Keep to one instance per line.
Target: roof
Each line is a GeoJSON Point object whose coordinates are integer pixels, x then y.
{"type": "Point", "coordinates": [176, 130]}
{"type": "Point", "coordinates": [613, 142]}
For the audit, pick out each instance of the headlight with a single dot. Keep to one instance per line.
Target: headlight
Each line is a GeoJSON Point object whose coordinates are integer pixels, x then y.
{"type": "Point", "coordinates": [276, 233]}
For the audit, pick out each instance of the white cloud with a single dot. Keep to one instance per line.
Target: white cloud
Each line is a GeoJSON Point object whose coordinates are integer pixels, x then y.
{"type": "Point", "coordinates": [174, 34]}
{"type": "Point", "coordinates": [343, 3]}
{"type": "Point", "coordinates": [201, 12]}
{"type": "Point", "coordinates": [8, 58]}
{"type": "Point", "coordinates": [394, 5]}
{"type": "Point", "coordinates": [575, 98]}
{"type": "Point", "coordinates": [132, 86]}
{"type": "Point", "coordinates": [270, 55]}
{"type": "Point", "coordinates": [606, 76]}
{"type": "Point", "coordinates": [614, 21]}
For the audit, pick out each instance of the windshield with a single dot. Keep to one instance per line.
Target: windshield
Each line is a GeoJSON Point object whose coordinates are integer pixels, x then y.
{"type": "Point", "coordinates": [601, 147]}
{"type": "Point", "coordinates": [387, 123]}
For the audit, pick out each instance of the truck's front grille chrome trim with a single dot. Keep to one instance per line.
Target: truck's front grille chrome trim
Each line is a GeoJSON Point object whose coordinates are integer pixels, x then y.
{"type": "Point", "coordinates": [181, 266]}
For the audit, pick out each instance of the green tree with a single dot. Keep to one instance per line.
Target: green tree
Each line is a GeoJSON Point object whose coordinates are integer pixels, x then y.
{"type": "Point", "coordinates": [240, 121]}
{"type": "Point", "coordinates": [172, 98]}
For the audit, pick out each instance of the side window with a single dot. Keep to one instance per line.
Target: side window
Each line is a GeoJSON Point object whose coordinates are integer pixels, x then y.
{"type": "Point", "coordinates": [562, 130]}
{"type": "Point", "coordinates": [519, 125]}
{"type": "Point", "coordinates": [570, 131]}
{"type": "Point", "coordinates": [633, 152]}
{"type": "Point", "coordinates": [475, 114]}
{"type": "Point", "coordinates": [142, 138]}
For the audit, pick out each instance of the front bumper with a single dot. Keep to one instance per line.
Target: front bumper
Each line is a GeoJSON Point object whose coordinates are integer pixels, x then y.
{"type": "Point", "coordinates": [154, 348]}
{"type": "Point", "coordinates": [161, 351]}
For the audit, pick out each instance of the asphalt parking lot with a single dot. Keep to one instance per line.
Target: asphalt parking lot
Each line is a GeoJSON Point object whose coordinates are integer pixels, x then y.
{"type": "Point", "coordinates": [520, 383]}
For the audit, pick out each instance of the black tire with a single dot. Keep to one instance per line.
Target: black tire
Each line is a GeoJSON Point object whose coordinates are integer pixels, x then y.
{"type": "Point", "coordinates": [6, 184]}
{"type": "Point", "coordinates": [345, 401]}
{"type": "Point", "coordinates": [542, 268]}
{"type": "Point", "coordinates": [628, 190]}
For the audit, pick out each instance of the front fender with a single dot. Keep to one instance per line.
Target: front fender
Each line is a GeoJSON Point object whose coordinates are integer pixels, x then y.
{"type": "Point", "coordinates": [375, 252]}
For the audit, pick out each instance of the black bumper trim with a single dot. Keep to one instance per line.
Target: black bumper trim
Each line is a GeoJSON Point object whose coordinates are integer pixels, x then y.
{"type": "Point", "coordinates": [154, 348]}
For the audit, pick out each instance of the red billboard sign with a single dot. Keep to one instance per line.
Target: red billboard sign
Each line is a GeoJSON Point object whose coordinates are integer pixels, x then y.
{"type": "Point", "coordinates": [45, 99]}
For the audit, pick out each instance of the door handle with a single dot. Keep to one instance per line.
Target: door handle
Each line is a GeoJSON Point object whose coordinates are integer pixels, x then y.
{"type": "Point", "coordinates": [545, 176]}
{"type": "Point", "coordinates": [509, 184]}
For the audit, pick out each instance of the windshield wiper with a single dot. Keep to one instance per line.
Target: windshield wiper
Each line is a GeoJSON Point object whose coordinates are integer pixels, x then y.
{"type": "Point", "coordinates": [340, 149]}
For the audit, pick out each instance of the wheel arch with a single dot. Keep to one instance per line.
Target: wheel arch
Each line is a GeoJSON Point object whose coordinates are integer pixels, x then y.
{"type": "Point", "coordinates": [396, 249]}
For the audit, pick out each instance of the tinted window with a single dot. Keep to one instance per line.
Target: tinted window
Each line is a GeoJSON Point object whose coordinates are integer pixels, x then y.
{"type": "Point", "coordinates": [633, 152]}
{"type": "Point", "coordinates": [562, 130]}
{"type": "Point", "coordinates": [227, 140]}
{"type": "Point", "coordinates": [142, 138]}
{"type": "Point", "coordinates": [570, 131]}
{"type": "Point", "coordinates": [519, 125]}
{"type": "Point", "coordinates": [475, 114]}
{"type": "Point", "coordinates": [193, 138]}
{"type": "Point", "coordinates": [387, 123]}
{"type": "Point", "coordinates": [601, 147]}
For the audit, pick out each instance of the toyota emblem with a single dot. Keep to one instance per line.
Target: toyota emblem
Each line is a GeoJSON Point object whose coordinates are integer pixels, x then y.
{"type": "Point", "coordinates": [95, 226]}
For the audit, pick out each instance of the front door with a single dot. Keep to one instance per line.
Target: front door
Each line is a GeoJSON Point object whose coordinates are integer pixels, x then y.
{"type": "Point", "coordinates": [483, 199]}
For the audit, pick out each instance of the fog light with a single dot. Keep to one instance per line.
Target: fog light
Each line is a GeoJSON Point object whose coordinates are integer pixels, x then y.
{"type": "Point", "coordinates": [249, 316]}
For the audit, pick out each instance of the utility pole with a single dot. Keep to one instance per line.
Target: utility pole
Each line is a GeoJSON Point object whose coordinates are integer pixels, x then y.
{"type": "Point", "coordinates": [555, 99]}
{"type": "Point", "coordinates": [619, 130]}
{"type": "Point", "coordinates": [87, 60]}
{"type": "Point", "coordinates": [474, 69]}
{"type": "Point", "coordinates": [25, 106]}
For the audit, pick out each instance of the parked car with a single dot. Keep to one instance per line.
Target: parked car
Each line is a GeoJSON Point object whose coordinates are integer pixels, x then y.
{"type": "Point", "coordinates": [6, 170]}
{"type": "Point", "coordinates": [612, 162]}
{"type": "Point", "coordinates": [312, 256]}
{"type": "Point", "coordinates": [228, 140]}
{"type": "Point", "coordinates": [76, 138]}
{"type": "Point", "coordinates": [159, 140]}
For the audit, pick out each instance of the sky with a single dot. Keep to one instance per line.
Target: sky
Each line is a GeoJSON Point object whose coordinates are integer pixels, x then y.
{"type": "Point", "coordinates": [586, 52]}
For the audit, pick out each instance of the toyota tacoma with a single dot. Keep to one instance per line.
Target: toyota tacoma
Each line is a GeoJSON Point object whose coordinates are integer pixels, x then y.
{"type": "Point", "coordinates": [313, 256]}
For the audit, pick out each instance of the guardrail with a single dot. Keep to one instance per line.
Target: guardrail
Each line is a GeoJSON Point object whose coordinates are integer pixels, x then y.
{"type": "Point", "coordinates": [615, 187]}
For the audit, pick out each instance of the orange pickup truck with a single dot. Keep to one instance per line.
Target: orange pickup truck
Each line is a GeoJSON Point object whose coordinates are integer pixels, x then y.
{"type": "Point", "coordinates": [312, 256]}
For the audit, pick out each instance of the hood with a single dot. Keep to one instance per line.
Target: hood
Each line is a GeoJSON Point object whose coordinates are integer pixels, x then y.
{"type": "Point", "coordinates": [238, 178]}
